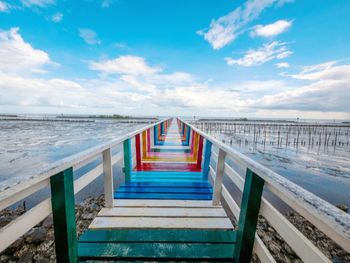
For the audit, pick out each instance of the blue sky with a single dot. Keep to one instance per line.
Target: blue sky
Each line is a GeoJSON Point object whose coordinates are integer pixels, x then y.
{"type": "Point", "coordinates": [255, 58]}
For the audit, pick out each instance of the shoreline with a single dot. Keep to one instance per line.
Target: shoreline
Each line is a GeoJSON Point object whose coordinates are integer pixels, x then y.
{"type": "Point", "coordinates": [38, 244]}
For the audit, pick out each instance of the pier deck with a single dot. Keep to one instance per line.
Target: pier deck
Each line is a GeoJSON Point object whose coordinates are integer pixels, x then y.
{"type": "Point", "coordinates": [172, 204]}
{"type": "Point", "coordinates": [164, 211]}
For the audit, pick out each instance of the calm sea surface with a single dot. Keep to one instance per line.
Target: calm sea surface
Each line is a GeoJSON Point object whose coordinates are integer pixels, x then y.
{"type": "Point", "coordinates": [27, 147]}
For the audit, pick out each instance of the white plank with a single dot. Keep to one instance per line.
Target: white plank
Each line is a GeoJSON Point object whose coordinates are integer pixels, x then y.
{"type": "Point", "coordinates": [19, 226]}
{"type": "Point", "coordinates": [262, 252]}
{"type": "Point", "coordinates": [78, 165]}
{"type": "Point", "coordinates": [303, 247]}
{"type": "Point", "coordinates": [162, 212]}
{"type": "Point", "coordinates": [68, 162]}
{"type": "Point", "coordinates": [13, 195]}
{"type": "Point", "coordinates": [326, 217]}
{"type": "Point", "coordinates": [219, 173]}
{"type": "Point", "coordinates": [108, 177]}
{"type": "Point", "coordinates": [87, 178]}
{"type": "Point", "coordinates": [235, 177]}
{"type": "Point", "coordinates": [160, 203]}
{"type": "Point", "coordinates": [117, 158]}
{"type": "Point", "coordinates": [160, 222]}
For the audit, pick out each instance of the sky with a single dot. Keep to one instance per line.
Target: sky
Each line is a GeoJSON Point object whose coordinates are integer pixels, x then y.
{"type": "Point", "coordinates": [227, 58]}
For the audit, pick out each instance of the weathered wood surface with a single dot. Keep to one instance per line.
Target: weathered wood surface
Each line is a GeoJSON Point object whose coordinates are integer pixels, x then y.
{"type": "Point", "coordinates": [328, 218]}
{"type": "Point", "coordinates": [162, 212]}
{"type": "Point", "coordinates": [161, 222]}
{"type": "Point", "coordinates": [71, 161]}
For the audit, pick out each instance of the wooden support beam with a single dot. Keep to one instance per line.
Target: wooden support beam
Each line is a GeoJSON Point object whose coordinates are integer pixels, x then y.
{"type": "Point", "coordinates": [108, 177]}
{"type": "Point", "coordinates": [248, 216]}
{"type": "Point", "coordinates": [220, 165]}
{"type": "Point", "coordinates": [138, 150]}
{"type": "Point", "coordinates": [207, 155]}
{"type": "Point", "coordinates": [127, 159]}
{"type": "Point", "coordinates": [63, 211]}
{"type": "Point", "coordinates": [200, 152]}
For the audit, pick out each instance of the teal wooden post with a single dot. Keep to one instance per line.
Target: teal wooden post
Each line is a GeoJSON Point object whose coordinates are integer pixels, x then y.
{"type": "Point", "coordinates": [127, 159]}
{"type": "Point", "coordinates": [207, 155]}
{"type": "Point", "coordinates": [248, 216]}
{"type": "Point", "coordinates": [63, 211]}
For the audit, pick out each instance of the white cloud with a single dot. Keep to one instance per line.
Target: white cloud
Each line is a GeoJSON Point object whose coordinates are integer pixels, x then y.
{"type": "Point", "coordinates": [40, 3]}
{"type": "Point", "coordinates": [4, 7]}
{"type": "Point", "coordinates": [283, 65]}
{"type": "Point", "coordinates": [328, 91]}
{"type": "Point", "coordinates": [89, 36]}
{"type": "Point", "coordinates": [57, 17]}
{"type": "Point", "coordinates": [134, 87]}
{"type": "Point", "coordinates": [226, 29]}
{"type": "Point", "coordinates": [273, 29]}
{"type": "Point", "coordinates": [121, 45]}
{"type": "Point", "coordinates": [107, 3]}
{"type": "Point", "coordinates": [274, 50]}
{"type": "Point", "coordinates": [18, 56]}
{"type": "Point", "coordinates": [127, 65]}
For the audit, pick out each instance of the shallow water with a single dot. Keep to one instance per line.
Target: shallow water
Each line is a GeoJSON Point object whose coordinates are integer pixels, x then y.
{"type": "Point", "coordinates": [27, 147]}
{"type": "Point", "coordinates": [322, 170]}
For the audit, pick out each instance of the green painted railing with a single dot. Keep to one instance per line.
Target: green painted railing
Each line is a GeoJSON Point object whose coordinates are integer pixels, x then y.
{"type": "Point", "coordinates": [59, 178]}
{"type": "Point", "coordinates": [329, 219]}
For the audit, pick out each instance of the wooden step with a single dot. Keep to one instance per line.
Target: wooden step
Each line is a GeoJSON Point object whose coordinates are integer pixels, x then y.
{"type": "Point", "coordinates": [157, 245]}
{"type": "Point", "coordinates": [162, 203]}
{"type": "Point", "coordinates": [171, 191]}
{"type": "Point", "coordinates": [161, 222]}
{"type": "Point", "coordinates": [162, 212]}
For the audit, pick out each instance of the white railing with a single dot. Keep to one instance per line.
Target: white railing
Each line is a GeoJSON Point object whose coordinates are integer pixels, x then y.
{"type": "Point", "coordinates": [23, 223]}
{"type": "Point", "coordinates": [330, 220]}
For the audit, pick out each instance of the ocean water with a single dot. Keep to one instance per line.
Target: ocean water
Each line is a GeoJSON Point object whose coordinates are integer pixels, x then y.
{"type": "Point", "coordinates": [27, 147]}
{"type": "Point", "coordinates": [321, 169]}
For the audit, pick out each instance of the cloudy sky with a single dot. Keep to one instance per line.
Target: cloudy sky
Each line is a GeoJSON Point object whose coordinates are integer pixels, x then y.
{"type": "Point", "coordinates": [255, 58]}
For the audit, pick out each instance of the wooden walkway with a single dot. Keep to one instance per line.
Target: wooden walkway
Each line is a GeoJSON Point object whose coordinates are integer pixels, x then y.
{"type": "Point", "coordinates": [164, 210]}
{"type": "Point", "coordinates": [169, 206]}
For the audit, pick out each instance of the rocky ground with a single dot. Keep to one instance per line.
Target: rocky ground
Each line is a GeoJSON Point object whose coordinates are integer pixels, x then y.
{"type": "Point", "coordinates": [38, 244]}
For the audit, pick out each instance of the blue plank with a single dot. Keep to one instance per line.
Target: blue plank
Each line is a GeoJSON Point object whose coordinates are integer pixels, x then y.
{"type": "Point", "coordinates": [162, 184]}
{"type": "Point", "coordinates": [163, 190]}
{"type": "Point", "coordinates": [173, 196]}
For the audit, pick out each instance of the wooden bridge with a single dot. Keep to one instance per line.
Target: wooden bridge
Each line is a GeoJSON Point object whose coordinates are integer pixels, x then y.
{"type": "Point", "coordinates": [173, 204]}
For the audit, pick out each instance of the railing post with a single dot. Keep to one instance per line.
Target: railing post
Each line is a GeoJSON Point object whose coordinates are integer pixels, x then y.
{"type": "Point", "coordinates": [108, 177]}
{"type": "Point", "coordinates": [63, 211]}
{"type": "Point", "coordinates": [200, 152]}
{"type": "Point", "coordinates": [220, 166]}
{"type": "Point", "coordinates": [248, 216]}
{"type": "Point", "coordinates": [127, 159]}
{"type": "Point", "coordinates": [138, 150]}
{"type": "Point", "coordinates": [207, 155]}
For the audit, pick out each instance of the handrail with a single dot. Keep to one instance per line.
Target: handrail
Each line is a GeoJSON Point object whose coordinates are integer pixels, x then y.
{"type": "Point", "coordinates": [63, 168]}
{"type": "Point", "coordinates": [56, 167]}
{"type": "Point", "coordinates": [329, 219]}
